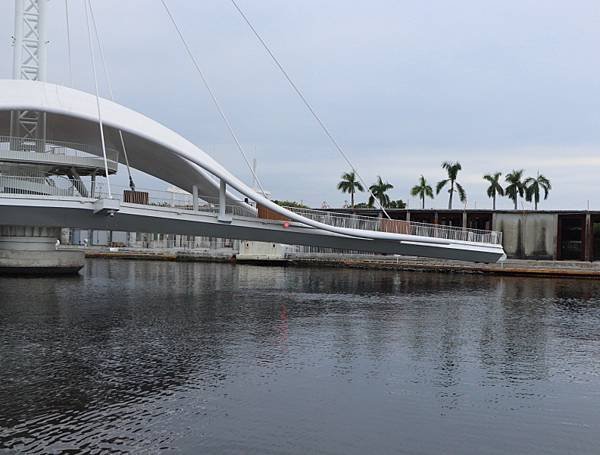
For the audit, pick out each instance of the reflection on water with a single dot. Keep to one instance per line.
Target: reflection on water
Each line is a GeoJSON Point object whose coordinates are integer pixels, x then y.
{"type": "Point", "coordinates": [145, 356]}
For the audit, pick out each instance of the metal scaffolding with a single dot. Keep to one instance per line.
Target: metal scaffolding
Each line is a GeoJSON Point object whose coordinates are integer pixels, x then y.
{"type": "Point", "coordinates": [29, 62]}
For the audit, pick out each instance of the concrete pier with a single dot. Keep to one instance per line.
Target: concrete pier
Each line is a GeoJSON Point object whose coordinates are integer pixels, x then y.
{"type": "Point", "coordinates": [33, 250]}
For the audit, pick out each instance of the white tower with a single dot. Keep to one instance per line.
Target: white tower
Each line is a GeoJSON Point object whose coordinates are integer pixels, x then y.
{"type": "Point", "coordinates": [29, 62]}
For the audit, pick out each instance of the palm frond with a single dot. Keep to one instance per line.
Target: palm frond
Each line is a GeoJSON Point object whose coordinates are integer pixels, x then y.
{"type": "Point", "coordinates": [441, 185]}
{"type": "Point", "coordinates": [544, 182]}
{"type": "Point", "coordinates": [461, 192]}
{"type": "Point", "coordinates": [530, 191]}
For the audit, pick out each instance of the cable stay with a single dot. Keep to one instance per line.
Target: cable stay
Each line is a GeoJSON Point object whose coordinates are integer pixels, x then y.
{"type": "Point", "coordinates": [213, 96]}
{"type": "Point", "coordinates": [307, 104]}
{"type": "Point", "coordinates": [87, 21]}
{"type": "Point", "coordinates": [69, 43]}
{"type": "Point", "coordinates": [110, 92]}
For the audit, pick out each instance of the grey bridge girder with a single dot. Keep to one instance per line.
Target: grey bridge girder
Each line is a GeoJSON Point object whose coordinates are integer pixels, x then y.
{"type": "Point", "coordinates": [135, 218]}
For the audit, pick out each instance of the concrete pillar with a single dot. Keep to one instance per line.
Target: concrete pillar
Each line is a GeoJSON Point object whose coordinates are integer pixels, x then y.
{"type": "Point", "coordinates": [435, 217]}
{"type": "Point", "coordinates": [223, 216]}
{"type": "Point", "coordinates": [93, 188]}
{"type": "Point", "coordinates": [464, 219]}
{"type": "Point", "coordinates": [222, 198]}
{"type": "Point", "coordinates": [588, 238]}
{"type": "Point", "coordinates": [195, 197]}
{"type": "Point", "coordinates": [34, 250]}
{"type": "Point", "coordinates": [408, 215]}
{"type": "Point", "coordinates": [556, 237]}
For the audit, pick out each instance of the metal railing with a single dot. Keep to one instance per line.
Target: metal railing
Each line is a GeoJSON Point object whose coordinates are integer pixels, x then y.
{"type": "Point", "coordinates": [60, 186]}
{"type": "Point", "coordinates": [40, 186]}
{"type": "Point", "coordinates": [400, 226]}
{"type": "Point", "coordinates": [17, 147]}
{"type": "Point", "coordinates": [170, 199]}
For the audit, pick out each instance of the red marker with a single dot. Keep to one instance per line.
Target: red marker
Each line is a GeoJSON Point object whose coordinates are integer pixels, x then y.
{"type": "Point", "coordinates": [286, 225]}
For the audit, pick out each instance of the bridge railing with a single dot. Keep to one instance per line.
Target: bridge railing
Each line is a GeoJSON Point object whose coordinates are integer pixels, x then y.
{"type": "Point", "coordinates": [61, 186]}
{"type": "Point", "coordinates": [11, 147]}
{"type": "Point", "coordinates": [399, 226]}
{"type": "Point", "coordinates": [171, 199]}
{"type": "Point", "coordinates": [38, 185]}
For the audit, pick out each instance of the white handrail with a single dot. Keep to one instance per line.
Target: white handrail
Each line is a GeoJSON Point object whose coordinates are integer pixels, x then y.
{"type": "Point", "coordinates": [399, 226]}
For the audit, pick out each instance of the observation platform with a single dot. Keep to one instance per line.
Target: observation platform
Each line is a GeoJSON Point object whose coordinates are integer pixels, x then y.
{"type": "Point", "coordinates": [58, 157]}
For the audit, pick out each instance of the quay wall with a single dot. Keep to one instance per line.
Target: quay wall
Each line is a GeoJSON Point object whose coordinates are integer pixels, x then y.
{"type": "Point", "coordinates": [512, 267]}
{"type": "Point", "coordinates": [528, 235]}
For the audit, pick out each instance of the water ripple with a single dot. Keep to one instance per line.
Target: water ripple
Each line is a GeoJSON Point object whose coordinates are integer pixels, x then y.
{"type": "Point", "coordinates": [186, 358]}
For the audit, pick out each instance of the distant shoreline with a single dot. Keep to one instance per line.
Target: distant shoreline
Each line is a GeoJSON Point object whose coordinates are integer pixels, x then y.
{"type": "Point", "coordinates": [530, 268]}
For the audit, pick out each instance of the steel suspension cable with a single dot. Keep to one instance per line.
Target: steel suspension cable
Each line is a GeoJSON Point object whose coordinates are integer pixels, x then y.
{"type": "Point", "coordinates": [213, 96]}
{"type": "Point", "coordinates": [110, 92]}
{"type": "Point", "coordinates": [87, 21]}
{"type": "Point", "coordinates": [69, 43]}
{"type": "Point", "coordinates": [307, 104]}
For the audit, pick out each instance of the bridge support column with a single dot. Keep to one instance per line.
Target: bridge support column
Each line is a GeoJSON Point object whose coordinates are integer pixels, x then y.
{"type": "Point", "coordinates": [27, 250]}
{"type": "Point", "coordinates": [223, 216]}
{"type": "Point", "coordinates": [93, 188]}
{"type": "Point", "coordinates": [195, 197]}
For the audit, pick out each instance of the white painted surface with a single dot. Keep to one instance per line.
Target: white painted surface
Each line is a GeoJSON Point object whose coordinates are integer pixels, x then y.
{"type": "Point", "coordinates": [70, 106]}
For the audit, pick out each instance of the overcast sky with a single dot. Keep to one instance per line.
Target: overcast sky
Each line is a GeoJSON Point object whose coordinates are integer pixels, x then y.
{"type": "Point", "coordinates": [402, 84]}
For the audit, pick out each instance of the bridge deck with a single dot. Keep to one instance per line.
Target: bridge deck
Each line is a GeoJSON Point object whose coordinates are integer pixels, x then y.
{"type": "Point", "coordinates": [176, 216]}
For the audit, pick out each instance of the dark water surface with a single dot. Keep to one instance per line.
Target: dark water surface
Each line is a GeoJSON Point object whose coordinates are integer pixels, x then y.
{"type": "Point", "coordinates": [214, 358]}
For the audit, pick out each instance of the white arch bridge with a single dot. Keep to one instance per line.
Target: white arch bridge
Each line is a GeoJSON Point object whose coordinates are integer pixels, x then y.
{"type": "Point", "coordinates": [216, 206]}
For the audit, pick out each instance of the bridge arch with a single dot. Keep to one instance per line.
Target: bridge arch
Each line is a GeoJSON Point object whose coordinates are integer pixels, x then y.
{"type": "Point", "coordinates": [159, 151]}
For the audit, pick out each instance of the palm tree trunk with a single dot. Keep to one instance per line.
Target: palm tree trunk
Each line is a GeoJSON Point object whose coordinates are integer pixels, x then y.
{"type": "Point", "coordinates": [516, 198]}
{"type": "Point", "coordinates": [423, 199]}
{"type": "Point", "coordinates": [451, 194]}
{"type": "Point", "coordinates": [352, 198]}
{"type": "Point", "coordinates": [494, 203]}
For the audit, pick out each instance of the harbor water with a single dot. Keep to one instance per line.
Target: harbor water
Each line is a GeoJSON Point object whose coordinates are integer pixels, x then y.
{"type": "Point", "coordinates": [148, 357]}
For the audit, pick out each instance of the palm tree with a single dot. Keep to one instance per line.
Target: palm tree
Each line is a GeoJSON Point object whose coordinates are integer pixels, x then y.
{"type": "Point", "coordinates": [495, 187]}
{"type": "Point", "coordinates": [422, 189]}
{"type": "Point", "coordinates": [515, 187]}
{"type": "Point", "coordinates": [378, 190]}
{"type": "Point", "coordinates": [452, 169]}
{"type": "Point", "coordinates": [532, 188]}
{"type": "Point", "coordinates": [350, 184]}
